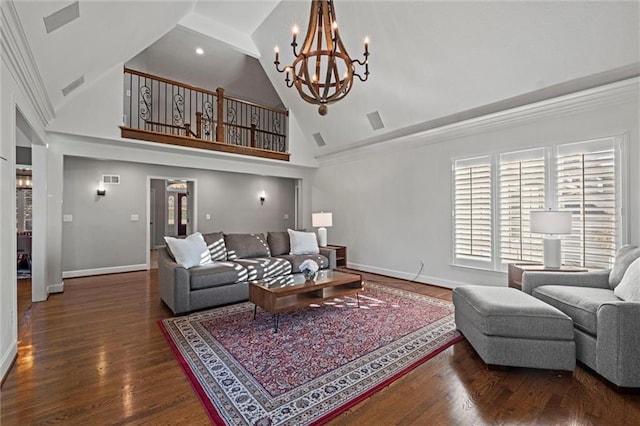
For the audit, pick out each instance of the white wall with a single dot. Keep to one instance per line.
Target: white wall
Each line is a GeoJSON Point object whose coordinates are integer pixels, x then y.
{"type": "Point", "coordinates": [12, 97]}
{"type": "Point", "coordinates": [392, 204]}
{"type": "Point", "coordinates": [102, 237]}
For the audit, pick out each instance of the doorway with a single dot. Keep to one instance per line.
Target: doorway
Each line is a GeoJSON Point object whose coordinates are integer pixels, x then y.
{"type": "Point", "coordinates": [172, 211]}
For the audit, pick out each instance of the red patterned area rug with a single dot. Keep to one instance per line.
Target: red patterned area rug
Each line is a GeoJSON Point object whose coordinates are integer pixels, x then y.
{"type": "Point", "coordinates": [323, 360]}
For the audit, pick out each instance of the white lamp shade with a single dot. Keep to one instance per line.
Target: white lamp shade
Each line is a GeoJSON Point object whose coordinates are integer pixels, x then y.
{"type": "Point", "coordinates": [550, 222]}
{"type": "Point", "coordinates": [321, 219]}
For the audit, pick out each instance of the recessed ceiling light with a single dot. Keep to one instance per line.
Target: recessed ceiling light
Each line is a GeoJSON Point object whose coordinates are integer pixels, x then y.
{"type": "Point", "coordinates": [199, 51]}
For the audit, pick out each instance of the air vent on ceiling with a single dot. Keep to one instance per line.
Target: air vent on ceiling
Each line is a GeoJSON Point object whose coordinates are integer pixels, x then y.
{"type": "Point", "coordinates": [73, 85]}
{"type": "Point", "coordinates": [62, 17]}
{"type": "Point", "coordinates": [375, 120]}
{"type": "Point", "coordinates": [111, 179]}
{"type": "Point", "coordinates": [319, 140]}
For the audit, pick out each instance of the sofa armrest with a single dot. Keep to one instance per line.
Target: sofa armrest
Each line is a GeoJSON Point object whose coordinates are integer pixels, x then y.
{"type": "Point", "coordinates": [618, 343]}
{"type": "Point", "coordinates": [173, 283]}
{"type": "Point", "coordinates": [534, 279]}
{"type": "Point", "coordinates": [331, 255]}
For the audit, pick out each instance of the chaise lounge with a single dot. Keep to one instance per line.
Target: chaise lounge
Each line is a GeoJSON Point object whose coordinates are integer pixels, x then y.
{"type": "Point", "coordinates": [605, 309]}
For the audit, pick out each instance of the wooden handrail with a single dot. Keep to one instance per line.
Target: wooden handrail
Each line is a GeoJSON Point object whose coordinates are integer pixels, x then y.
{"type": "Point", "coordinates": [166, 80]}
{"type": "Point", "coordinates": [200, 89]}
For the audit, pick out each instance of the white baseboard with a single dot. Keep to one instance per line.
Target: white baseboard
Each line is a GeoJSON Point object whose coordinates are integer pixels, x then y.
{"type": "Point", "coordinates": [55, 288]}
{"type": "Point", "coordinates": [424, 279]}
{"type": "Point", "coordinates": [7, 359]}
{"type": "Point", "coordinates": [103, 271]}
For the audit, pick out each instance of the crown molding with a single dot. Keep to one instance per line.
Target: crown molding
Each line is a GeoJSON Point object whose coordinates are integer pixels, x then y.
{"type": "Point", "coordinates": [17, 55]}
{"type": "Point", "coordinates": [587, 100]}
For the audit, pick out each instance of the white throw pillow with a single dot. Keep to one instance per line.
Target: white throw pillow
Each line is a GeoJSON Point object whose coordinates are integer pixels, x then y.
{"type": "Point", "coordinates": [303, 242]}
{"type": "Point", "coordinates": [629, 287]}
{"type": "Point", "coordinates": [189, 252]}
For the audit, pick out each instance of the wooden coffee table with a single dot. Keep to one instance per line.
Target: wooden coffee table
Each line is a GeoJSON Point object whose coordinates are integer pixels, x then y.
{"type": "Point", "coordinates": [282, 294]}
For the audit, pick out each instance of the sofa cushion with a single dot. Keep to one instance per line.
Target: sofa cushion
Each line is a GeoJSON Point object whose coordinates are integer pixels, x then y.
{"type": "Point", "coordinates": [629, 287]}
{"type": "Point", "coordinates": [624, 257]}
{"type": "Point", "coordinates": [507, 312]}
{"type": "Point", "coordinates": [303, 242]}
{"type": "Point", "coordinates": [216, 246]}
{"type": "Point", "coordinates": [242, 246]}
{"type": "Point", "coordinates": [278, 243]}
{"type": "Point", "coordinates": [216, 274]}
{"type": "Point", "coordinates": [265, 267]}
{"type": "Point", "coordinates": [580, 303]}
{"type": "Point", "coordinates": [297, 259]}
{"type": "Point", "coordinates": [190, 251]}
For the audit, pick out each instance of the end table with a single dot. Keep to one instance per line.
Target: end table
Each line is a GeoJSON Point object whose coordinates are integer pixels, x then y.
{"type": "Point", "coordinates": [517, 269]}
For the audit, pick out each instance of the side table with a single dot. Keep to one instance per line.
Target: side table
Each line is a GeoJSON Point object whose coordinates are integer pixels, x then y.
{"type": "Point", "coordinates": [517, 269]}
{"type": "Point", "coordinates": [341, 255]}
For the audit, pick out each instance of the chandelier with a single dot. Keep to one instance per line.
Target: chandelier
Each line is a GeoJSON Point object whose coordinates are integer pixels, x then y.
{"type": "Point", "coordinates": [322, 71]}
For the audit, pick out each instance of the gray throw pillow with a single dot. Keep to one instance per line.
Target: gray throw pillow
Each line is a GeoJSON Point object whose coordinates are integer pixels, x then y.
{"type": "Point", "coordinates": [629, 287]}
{"type": "Point", "coordinates": [278, 243]}
{"type": "Point", "coordinates": [216, 246]}
{"type": "Point", "coordinates": [624, 257]}
{"type": "Point", "coordinates": [242, 246]}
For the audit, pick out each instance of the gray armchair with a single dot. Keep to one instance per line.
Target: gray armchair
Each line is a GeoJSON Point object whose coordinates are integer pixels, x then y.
{"type": "Point", "coordinates": [605, 327]}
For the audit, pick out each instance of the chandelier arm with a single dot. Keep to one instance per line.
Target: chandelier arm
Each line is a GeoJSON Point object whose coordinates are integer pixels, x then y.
{"type": "Point", "coordinates": [366, 76]}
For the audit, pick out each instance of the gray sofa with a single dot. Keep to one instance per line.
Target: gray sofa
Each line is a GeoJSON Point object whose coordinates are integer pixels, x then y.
{"type": "Point", "coordinates": [237, 259]}
{"type": "Point", "coordinates": [606, 328]}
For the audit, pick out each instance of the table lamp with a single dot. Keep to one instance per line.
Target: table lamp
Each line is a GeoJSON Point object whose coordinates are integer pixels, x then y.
{"type": "Point", "coordinates": [322, 220]}
{"type": "Point", "coordinates": [552, 223]}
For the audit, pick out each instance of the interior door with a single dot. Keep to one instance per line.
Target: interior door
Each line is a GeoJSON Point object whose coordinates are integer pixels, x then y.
{"type": "Point", "coordinates": [152, 218]}
{"type": "Point", "coordinates": [183, 213]}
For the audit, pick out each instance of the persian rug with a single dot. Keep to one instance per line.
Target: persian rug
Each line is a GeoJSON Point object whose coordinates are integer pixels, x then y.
{"type": "Point", "coordinates": [323, 360]}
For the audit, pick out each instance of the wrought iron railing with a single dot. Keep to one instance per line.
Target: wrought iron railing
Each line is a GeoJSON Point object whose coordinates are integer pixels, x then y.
{"type": "Point", "coordinates": [157, 105]}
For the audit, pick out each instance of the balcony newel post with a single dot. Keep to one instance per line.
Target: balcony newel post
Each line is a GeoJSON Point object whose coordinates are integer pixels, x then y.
{"type": "Point", "coordinates": [220, 115]}
{"type": "Point", "coordinates": [199, 125]}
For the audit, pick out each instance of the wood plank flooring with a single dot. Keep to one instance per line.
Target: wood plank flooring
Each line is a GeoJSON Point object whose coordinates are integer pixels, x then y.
{"type": "Point", "coordinates": [95, 355]}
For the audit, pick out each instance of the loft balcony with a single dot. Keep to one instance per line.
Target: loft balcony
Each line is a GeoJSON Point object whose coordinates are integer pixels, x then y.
{"type": "Point", "coordinates": [160, 110]}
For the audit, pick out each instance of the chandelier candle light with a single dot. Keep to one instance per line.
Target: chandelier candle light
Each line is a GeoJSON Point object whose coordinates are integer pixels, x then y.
{"type": "Point", "coordinates": [552, 223]}
{"type": "Point", "coordinates": [322, 73]}
{"type": "Point", "coordinates": [321, 220]}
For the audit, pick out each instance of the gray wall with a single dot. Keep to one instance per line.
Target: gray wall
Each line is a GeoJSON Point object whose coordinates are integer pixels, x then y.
{"type": "Point", "coordinates": [160, 212]}
{"type": "Point", "coordinates": [102, 234]}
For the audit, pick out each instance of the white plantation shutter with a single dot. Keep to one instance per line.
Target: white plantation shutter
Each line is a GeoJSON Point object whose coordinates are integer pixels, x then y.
{"type": "Point", "coordinates": [588, 187]}
{"type": "Point", "coordinates": [472, 216]}
{"type": "Point", "coordinates": [521, 190]}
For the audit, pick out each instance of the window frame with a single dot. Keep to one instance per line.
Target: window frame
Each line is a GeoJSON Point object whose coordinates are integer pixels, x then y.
{"type": "Point", "coordinates": [621, 167]}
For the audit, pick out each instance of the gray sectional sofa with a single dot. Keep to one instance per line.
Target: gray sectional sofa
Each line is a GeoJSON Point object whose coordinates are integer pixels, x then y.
{"type": "Point", "coordinates": [606, 327]}
{"type": "Point", "coordinates": [237, 259]}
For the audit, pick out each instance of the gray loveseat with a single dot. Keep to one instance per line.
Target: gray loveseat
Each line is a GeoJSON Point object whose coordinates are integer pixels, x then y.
{"type": "Point", "coordinates": [606, 328]}
{"type": "Point", "coordinates": [237, 259]}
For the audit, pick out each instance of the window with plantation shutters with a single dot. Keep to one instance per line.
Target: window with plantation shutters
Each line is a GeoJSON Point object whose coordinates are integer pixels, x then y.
{"type": "Point", "coordinates": [588, 186]}
{"type": "Point", "coordinates": [521, 190]}
{"type": "Point", "coordinates": [472, 211]}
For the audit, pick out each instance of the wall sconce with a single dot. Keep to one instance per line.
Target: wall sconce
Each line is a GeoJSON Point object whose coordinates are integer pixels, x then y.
{"type": "Point", "coordinates": [263, 196]}
{"type": "Point", "coordinates": [101, 191]}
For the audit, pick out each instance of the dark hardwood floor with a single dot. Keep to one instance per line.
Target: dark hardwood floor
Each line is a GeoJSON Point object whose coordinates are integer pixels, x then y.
{"type": "Point", "coordinates": [95, 355]}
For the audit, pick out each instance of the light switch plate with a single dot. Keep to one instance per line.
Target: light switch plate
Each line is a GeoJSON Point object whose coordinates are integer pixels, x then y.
{"type": "Point", "coordinates": [207, 216]}
{"type": "Point", "coordinates": [67, 218]}
{"type": "Point", "coordinates": [286, 216]}
{"type": "Point", "coordinates": [134, 218]}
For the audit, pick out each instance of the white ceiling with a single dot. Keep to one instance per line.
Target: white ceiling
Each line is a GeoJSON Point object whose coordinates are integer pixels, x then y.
{"type": "Point", "coordinates": [431, 62]}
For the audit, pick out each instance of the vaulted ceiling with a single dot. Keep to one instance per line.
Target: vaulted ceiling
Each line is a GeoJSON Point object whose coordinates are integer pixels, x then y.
{"type": "Point", "coordinates": [432, 63]}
